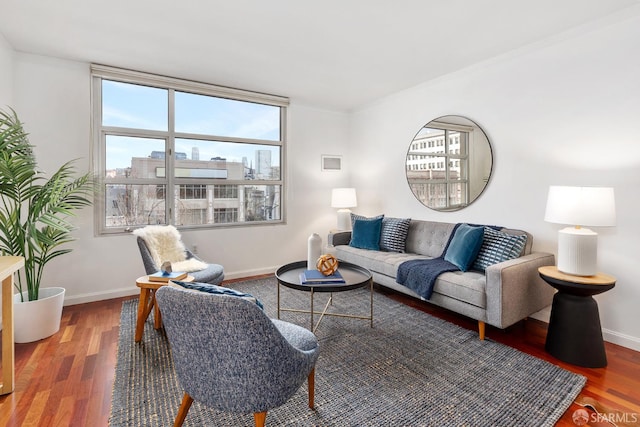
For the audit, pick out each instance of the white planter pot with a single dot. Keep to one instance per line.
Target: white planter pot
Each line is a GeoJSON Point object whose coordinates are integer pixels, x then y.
{"type": "Point", "coordinates": [35, 320]}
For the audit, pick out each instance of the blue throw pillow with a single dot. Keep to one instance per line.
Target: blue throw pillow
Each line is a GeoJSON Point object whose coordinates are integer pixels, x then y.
{"type": "Point", "coordinates": [498, 247]}
{"type": "Point", "coordinates": [362, 217]}
{"type": "Point", "coordinates": [394, 234]}
{"type": "Point", "coordinates": [366, 234]}
{"type": "Point", "coordinates": [214, 289]}
{"type": "Point", "coordinates": [464, 246]}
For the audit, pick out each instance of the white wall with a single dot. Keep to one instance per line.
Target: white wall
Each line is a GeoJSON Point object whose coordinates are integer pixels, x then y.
{"type": "Point", "coordinates": [6, 73]}
{"type": "Point", "coordinates": [52, 98]}
{"type": "Point", "coordinates": [6, 84]}
{"type": "Point", "coordinates": [562, 112]}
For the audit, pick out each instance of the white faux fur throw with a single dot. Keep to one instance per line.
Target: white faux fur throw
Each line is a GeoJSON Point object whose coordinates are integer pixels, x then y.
{"type": "Point", "coordinates": [164, 244]}
{"type": "Point", "coordinates": [189, 265]}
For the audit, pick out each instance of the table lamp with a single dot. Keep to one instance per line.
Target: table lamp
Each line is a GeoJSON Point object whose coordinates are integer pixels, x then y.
{"type": "Point", "coordinates": [343, 199]}
{"type": "Point", "coordinates": [579, 207]}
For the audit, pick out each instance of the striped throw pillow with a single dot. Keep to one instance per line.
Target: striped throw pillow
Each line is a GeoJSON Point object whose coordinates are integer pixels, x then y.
{"type": "Point", "coordinates": [498, 247]}
{"type": "Point", "coordinates": [394, 234]}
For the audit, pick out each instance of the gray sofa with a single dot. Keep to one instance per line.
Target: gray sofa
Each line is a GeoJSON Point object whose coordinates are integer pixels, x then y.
{"type": "Point", "coordinates": [504, 294]}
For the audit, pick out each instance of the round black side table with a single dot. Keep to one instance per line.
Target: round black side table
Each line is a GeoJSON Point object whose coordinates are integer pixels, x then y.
{"type": "Point", "coordinates": [575, 334]}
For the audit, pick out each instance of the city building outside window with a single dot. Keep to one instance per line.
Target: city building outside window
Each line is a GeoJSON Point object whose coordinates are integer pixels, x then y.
{"type": "Point", "coordinates": [443, 162]}
{"type": "Point", "coordinates": [169, 151]}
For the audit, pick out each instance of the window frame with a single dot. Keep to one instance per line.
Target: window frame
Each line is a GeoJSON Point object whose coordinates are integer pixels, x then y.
{"type": "Point", "coordinates": [448, 155]}
{"type": "Point", "coordinates": [172, 85]}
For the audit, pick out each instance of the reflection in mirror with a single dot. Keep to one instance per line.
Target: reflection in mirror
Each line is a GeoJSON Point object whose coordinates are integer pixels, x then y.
{"type": "Point", "coordinates": [449, 163]}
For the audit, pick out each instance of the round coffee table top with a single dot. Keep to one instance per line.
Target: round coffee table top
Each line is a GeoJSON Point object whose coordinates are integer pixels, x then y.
{"type": "Point", "coordinates": [354, 277]}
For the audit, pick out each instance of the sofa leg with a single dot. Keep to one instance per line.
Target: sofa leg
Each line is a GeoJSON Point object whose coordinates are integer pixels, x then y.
{"type": "Point", "coordinates": [481, 326]}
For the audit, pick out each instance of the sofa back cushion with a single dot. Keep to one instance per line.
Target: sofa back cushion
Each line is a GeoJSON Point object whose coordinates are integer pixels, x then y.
{"type": "Point", "coordinates": [428, 237]}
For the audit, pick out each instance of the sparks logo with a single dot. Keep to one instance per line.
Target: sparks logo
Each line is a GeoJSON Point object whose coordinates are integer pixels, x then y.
{"type": "Point", "coordinates": [580, 417]}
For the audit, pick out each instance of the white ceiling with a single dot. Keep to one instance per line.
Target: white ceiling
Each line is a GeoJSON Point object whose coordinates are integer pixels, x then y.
{"type": "Point", "coordinates": [334, 54]}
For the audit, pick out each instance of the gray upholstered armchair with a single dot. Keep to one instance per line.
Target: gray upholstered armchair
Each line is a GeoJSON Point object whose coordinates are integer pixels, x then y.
{"type": "Point", "coordinates": [159, 243]}
{"type": "Point", "coordinates": [230, 356]}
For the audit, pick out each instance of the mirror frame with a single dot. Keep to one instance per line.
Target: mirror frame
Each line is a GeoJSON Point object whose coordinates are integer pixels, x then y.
{"type": "Point", "coordinates": [461, 173]}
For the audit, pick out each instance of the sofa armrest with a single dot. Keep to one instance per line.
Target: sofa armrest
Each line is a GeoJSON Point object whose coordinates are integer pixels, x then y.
{"type": "Point", "coordinates": [337, 238]}
{"type": "Point", "coordinates": [515, 289]}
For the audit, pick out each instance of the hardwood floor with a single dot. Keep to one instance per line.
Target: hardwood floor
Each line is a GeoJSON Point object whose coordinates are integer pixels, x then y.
{"type": "Point", "coordinates": [66, 380]}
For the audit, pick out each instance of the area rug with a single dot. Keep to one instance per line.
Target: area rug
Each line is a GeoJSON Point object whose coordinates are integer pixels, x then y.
{"type": "Point", "coordinates": [410, 369]}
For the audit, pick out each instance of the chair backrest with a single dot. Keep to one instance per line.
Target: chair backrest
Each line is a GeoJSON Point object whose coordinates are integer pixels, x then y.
{"type": "Point", "coordinates": [150, 266]}
{"type": "Point", "coordinates": [163, 243]}
{"type": "Point", "coordinates": [227, 352]}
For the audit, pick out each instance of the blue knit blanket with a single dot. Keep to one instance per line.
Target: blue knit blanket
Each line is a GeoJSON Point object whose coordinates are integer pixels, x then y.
{"type": "Point", "coordinates": [420, 275]}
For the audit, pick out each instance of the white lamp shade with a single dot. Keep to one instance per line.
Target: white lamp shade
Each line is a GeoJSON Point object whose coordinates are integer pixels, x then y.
{"type": "Point", "coordinates": [343, 198]}
{"type": "Point", "coordinates": [588, 206]}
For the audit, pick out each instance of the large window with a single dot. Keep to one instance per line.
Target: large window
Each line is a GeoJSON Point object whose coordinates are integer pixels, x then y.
{"type": "Point", "coordinates": [175, 152]}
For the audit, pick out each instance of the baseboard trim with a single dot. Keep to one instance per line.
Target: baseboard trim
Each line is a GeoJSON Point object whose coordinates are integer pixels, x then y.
{"type": "Point", "coordinates": [99, 296]}
{"type": "Point", "coordinates": [250, 273]}
{"type": "Point", "coordinates": [624, 340]}
{"type": "Point", "coordinates": [613, 337]}
{"type": "Point", "coordinates": [133, 290]}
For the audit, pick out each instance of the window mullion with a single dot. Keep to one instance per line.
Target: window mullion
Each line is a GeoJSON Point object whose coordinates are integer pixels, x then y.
{"type": "Point", "coordinates": [170, 201]}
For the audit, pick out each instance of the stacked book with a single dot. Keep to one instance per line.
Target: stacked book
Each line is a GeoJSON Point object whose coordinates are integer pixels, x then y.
{"type": "Point", "coordinates": [162, 276]}
{"type": "Point", "coordinates": [315, 277]}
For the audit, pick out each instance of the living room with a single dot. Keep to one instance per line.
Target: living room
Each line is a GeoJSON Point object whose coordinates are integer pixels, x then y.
{"type": "Point", "coordinates": [559, 106]}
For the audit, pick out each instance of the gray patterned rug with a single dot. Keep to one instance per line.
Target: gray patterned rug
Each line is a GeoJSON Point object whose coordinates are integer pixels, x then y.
{"type": "Point", "coordinates": [410, 369]}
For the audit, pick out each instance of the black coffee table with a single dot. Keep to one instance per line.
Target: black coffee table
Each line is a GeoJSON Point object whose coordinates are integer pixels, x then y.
{"type": "Point", "coordinates": [355, 277]}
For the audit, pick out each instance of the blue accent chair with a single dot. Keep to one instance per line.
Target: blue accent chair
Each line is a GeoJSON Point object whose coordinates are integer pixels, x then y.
{"type": "Point", "coordinates": [231, 357]}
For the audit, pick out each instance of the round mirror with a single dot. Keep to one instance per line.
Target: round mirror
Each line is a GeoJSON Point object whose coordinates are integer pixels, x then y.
{"type": "Point", "coordinates": [449, 163]}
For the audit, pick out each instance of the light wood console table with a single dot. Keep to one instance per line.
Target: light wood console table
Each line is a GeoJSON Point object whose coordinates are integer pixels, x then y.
{"type": "Point", "coordinates": [8, 266]}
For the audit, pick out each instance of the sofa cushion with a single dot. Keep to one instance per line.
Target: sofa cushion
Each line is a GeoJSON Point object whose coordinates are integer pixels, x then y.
{"type": "Point", "coordinates": [366, 234]}
{"type": "Point", "coordinates": [382, 262]}
{"type": "Point", "coordinates": [394, 234]}
{"type": "Point", "coordinates": [498, 247]}
{"type": "Point", "coordinates": [464, 246]}
{"type": "Point", "coordinates": [469, 287]}
{"type": "Point", "coordinates": [428, 237]}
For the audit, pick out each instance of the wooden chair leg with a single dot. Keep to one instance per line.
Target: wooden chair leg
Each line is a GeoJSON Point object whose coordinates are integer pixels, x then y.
{"type": "Point", "coordinates": [184, 408]}
{"type": "Point", "coordinates": [260, 418]}
{"type": "Point", "coordinates": [311, 383]}
{"type": "Point", "coordinates": [144, 308]}
{"type": "Point", "coordinates": [157, 316]}
{"type": "Point", "coordinates": [481, 328]}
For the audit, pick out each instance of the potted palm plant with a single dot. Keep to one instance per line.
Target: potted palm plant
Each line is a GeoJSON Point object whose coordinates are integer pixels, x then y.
{"type": "Point", "coordinates": [34, 224]}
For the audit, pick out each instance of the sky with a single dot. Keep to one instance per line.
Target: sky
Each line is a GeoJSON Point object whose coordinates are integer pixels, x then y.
{"type": "Point", "coordinates": [142, 107]}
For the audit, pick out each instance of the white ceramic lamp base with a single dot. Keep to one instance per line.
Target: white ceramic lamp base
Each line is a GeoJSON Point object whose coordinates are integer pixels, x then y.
{"type": "Point", "coordinates": [344, 219]}
{"type": "Point", "coordinates": [578, 251]}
